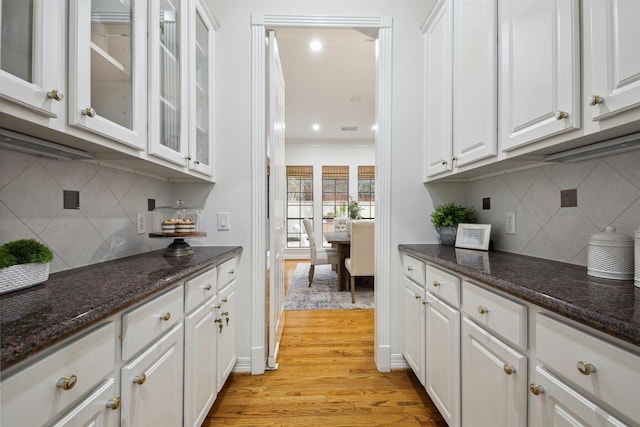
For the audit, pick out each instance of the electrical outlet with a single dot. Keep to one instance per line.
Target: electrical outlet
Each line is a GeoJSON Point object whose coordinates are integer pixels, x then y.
{"type": "Point", "coordinates": [141, 225]}
{"type": "Point", "coordinates": [510, 223]}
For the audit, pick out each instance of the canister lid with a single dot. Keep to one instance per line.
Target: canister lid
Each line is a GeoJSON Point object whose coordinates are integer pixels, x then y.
{"type": "Point", "coordinates": [610, 237]}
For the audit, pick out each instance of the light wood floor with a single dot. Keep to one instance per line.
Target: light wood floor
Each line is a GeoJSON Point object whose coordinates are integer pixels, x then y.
{"type": "Point", "coordinates": [326, 377]}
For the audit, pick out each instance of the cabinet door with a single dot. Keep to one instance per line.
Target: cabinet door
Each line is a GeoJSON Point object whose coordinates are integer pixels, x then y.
{"type": "Point", "coordinates": [555, 404]}
{"type": "Point", "coordinates": [539, 70]}
{"type": "Point", "coordinates": [152, 384]}
{"type": "Point", "coordinates": [475, 74]}
{"type": "Point", "coordinates": [494, 380]}
{"type": "Point", "coordinates": [168, 78]}
{"type": "Point", "coordinates": [442, 358]}
{"type": "Point", "coordinates": [107, 69]}
{"type": "Point", "coordinates": [611, 57]}
{"type": "Point", "coordinates": [31, 58]}
{"type": "Point", "coordinates": [99, 409]}
{"type": "Point", "coordinates": [201, 80]}
{"type": "Point", "coordinates": [438, 45]}
{"type": "Point", "coordinates": [414, 327]}
{"type": "Point", "coordinates": [200, 363]}
{"type": "Point", "coordinates": [226, 324]}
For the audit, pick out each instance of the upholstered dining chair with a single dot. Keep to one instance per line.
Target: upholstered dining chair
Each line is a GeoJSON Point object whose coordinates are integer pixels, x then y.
{"type": "Point", "coordinates": [318, 255]}
{"type": "Point", "coordinates": [361, 261]}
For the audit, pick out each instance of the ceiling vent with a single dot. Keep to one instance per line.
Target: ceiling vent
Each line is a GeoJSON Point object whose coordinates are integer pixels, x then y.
{"type": "Point", "coordinates": [349, 128]}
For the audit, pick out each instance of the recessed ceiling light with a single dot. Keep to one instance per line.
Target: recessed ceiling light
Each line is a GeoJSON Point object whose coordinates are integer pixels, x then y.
{"type": "Point", "coordinates": [315, 126]}
{"type": "Point", "coordinates": [374, 127]}
{"type": "Point", "coordinates": [315, 45]}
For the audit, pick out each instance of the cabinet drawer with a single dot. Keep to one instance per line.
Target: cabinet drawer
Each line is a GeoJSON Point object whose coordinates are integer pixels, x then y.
{"type": "Point", "coordinates": [497, 313]}
{"type": "Point", "coordinates": [141, 325]}
{"type": "Point", "coordinates": [227, 271]}
{"type": "Point", "coordinates": [414, 269]}
{"type": "Point", "coordinates": [444, 285]}
{"type": "Point", "coordinates": [565, 350]}
{"type": "Point", "coordinates": [199, 289]}
{"type": "Point", "coordinates": [36, 394]}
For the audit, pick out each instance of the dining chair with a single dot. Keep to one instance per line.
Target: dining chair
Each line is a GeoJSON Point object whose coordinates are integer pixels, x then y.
{"type": "Point", "coordinates": [318, 255]}
{"type": "Point", "coordinates": [361, 262]}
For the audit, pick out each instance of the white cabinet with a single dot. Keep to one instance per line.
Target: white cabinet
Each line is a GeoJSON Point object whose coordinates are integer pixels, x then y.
{"type": "Point", "coordinates": [99, 409]}
{"type": "Point", "coordinates": [414, 326]}
{"type": "Point", "coordinates": [494, 380]}
{"type": "Point", "coordinates": [539, 70]}
{"type": "Point", "coordinates": [152, 384]}
{"type": "Point", "coordinates": [442, 358]}
{"type": "Point", "coordinates": [437, 56]}
{"type": "Point", "coordinates": [31, 58]}
{"type": "Point", "coordinates": [611, 62]}
{"type": "Point", "coordinates": [201, 85]}
{"type": "Point", "coordinates": [475, 69]}
{"type": "Point", "coordinates": [227, 354]}
{"type": "Point", "coordinates": [107, 69]}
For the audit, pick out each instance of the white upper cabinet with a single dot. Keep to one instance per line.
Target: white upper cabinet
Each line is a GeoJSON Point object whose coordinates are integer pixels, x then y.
{"type": "Point", "coordinates": [201, 66]}
{"type": "Point", "coordinates": [612, 61]}
{"type": "Point", "coordinates": [107, 69]}
{"type": "Point", "coordinates": [168, 80]}
{"type": "Point", "coordinates": [540, 70]}
{"type": "Point", "coordinates": [438, 45]}
{"type": "Point", "coordinates": [475, 64]}
{"type": "Point", "coordinates": [31, 57]}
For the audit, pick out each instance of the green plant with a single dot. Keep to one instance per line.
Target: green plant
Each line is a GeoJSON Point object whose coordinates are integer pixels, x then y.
{"type": "Point", "coordinates": [24, 251]}
{"type": "Point", "coordinates": [354, 210]}
{"type": "Point", "coordinates": [452, 214]}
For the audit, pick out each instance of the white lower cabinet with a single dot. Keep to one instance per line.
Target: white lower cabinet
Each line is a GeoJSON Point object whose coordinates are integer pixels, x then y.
{"type": "Point", "coordinates": [200, 385]}
{"type": "Point", "coordinates": [442, 358]}
{"type": "Point", "coordinates": [227, 354]}
{"type": "Point", "coordinates": [99, 409]}
{"type": "Point", "coordinates": [152, 392]}
{"type": "Point", "coordinates": [414, 327]}
{"type": "Point", "coordinates": [494, 380]}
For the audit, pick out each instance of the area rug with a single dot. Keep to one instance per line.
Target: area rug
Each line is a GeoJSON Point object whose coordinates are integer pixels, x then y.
{"type": "Point", "coordinates": [323, 293]}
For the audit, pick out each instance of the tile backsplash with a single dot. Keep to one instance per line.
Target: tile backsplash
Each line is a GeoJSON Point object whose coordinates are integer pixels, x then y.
{"type": "Point", "coordinates": [608, 192]}
{"type": "Point", "coordinates": [103, 228]}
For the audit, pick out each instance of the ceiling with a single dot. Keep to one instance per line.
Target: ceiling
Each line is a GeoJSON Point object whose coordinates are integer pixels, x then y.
{"type": "Point", "coordinates": [333, 87]}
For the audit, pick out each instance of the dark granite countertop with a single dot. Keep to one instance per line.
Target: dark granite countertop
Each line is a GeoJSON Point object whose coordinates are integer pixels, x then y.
{"type": "Point", "coordinates": [35, 318]}
{"type": "Point", "coordinates": [611, 306]}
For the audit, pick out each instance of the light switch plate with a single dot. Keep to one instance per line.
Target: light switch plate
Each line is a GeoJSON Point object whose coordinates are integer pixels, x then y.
{"type": "Point", "coordinates": [224, 221]}
{"type": "Point", "coordinates": [510, 223]}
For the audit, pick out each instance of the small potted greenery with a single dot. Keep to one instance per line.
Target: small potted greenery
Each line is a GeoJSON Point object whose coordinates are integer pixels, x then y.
{"type": "Point", "coordinates": [354, 211]}
{"type": "Point", "coordinates": [23, 263]}
{"type": "Point", "coordinates": [445, 218]}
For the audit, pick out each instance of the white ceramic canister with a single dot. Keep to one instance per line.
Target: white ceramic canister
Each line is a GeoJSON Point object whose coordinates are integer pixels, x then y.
{"type": "Point", "coordinates": [610, 255]}
{"type": "Point", "coordinates": [637, 256]}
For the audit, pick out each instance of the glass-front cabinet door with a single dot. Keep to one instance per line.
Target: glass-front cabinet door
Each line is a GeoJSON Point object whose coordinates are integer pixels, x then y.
{"type": "Point", "coordinates": [201, 130]}
{"type": "Point", "coordinates": [107, 69]}
{"type": "Point", "coordinates": [168, 78]}
{"type": "Point", "coordinates": [31, 57]}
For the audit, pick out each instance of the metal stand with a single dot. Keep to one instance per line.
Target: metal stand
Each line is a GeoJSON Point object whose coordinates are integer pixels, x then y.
{"type": "Point", "coordinates": [179, 248]}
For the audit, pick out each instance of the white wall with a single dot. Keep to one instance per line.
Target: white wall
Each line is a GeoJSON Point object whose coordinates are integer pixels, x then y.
{"type": "Point", "coordinates": [411, 203]}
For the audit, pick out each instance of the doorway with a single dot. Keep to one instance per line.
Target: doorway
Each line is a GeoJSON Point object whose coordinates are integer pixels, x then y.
{"type": "Point", "coordinates": [381, 27]}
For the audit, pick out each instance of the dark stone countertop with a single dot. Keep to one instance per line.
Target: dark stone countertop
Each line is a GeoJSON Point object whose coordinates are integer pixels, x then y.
{"type": "Point", "coordinates": [35, 318]}
{"type": "Point", "coordinates": [611, 306]}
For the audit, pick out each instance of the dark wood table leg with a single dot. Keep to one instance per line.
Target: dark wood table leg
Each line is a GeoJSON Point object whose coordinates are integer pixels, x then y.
{"type": "Point", "coordinates": [344, 251]}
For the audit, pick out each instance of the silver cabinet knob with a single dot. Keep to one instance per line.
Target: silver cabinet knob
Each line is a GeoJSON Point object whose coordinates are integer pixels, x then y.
{"type": "Point", "coordinates": [585, 368]}
{"type": "Point", "coordinates": [561, 115]}
{"type": "Point", "coordinates": [68, 382]}
{"type": "Point", "coordinates": [482, 309]}
{"type": "Point", "coordinates": [56, 95]}
{"type": "Point", "coordinates": [508, 369]}
{"type": "Point", "coordinates": [536, 389]}
{"type": "Point", "coordinates": [89, 112]}
{"type": "Point", "coordinates": [595, 100]}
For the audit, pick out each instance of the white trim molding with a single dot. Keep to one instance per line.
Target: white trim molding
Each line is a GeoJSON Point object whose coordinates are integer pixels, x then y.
{"type": "Point", "coordinates": [260, 23]}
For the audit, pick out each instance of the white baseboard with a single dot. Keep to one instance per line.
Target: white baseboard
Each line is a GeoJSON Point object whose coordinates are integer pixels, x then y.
{"type": "Point", "coordinates": [398, 362]}
{"type": "Point", "coordinates": [243, 365]}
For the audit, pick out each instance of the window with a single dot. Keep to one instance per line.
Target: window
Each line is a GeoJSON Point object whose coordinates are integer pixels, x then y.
{"type": "Point", "coordinates": [299, 204]}
{"type": "Point", "coordinates": [367, 191]}
{"type": "Point", "coordinates": [335, 191]}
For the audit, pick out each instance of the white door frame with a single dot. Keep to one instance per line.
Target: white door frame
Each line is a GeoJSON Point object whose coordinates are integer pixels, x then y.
{"type": "Point", "coordinates": [260, 23]}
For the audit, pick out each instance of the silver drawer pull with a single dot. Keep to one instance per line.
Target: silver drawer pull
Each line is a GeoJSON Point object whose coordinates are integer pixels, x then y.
{"type": "Point", "coordinates": [410, 268]}
{"type": "Point", "coordinates": [165, 316]}
{"type": "Point", "coordinates": [436, 283]}
{"type": "Point", "coordinates": [207, 287]}
{"type": "Point", "coordinates": [482, 309]}
{"type": "Point", "coordinates": [536, 389]}
{"type": "Point", "coordinates": [508, 369]}
{"type": "Point", "coordinates": [585, 368]}
{"type": "Point", "coordinates": [68, 382]}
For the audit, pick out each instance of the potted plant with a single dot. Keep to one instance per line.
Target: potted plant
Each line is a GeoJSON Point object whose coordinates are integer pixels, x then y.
{"type": "Point", "coordinates": [23, 263]}
{"type": "Point", "coordinates": [445, 218]}
{"type": "Point", "coordinates": [354, 211]}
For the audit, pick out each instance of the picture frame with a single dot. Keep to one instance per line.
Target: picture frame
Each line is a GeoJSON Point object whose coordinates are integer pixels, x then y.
{"type": "Point", "coordinates": [473, 236]}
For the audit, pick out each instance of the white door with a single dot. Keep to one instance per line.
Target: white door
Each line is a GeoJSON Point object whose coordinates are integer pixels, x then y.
{"type": "Point", "coordinates": [413, 323]}
{"type": "Point", "coordinates": [613, 59]}
{"type": "Point", "coordinates": [277, 199]}
{"type": "Point", "coordinates": [539, 70]}
{"type": "Point", "coordinates": [438, 46]}
{"type": "Point", "coordinates": [494, 380]}
{"type": "Point", "coordinates": [442, 358]}
{"type": "Point", "coordinates": [475, 74]}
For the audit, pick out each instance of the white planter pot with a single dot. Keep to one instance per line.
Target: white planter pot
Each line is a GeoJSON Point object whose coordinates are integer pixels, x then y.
{"type": "Point", "coordinates": [22, 276]}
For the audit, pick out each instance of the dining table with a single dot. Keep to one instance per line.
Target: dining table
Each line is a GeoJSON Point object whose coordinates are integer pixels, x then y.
{"type": "Point", "coordinates": [340, 240]}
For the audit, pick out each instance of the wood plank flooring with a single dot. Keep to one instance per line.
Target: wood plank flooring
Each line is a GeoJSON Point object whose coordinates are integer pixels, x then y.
{"type": "Point", "coordinates": [326, 377]}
